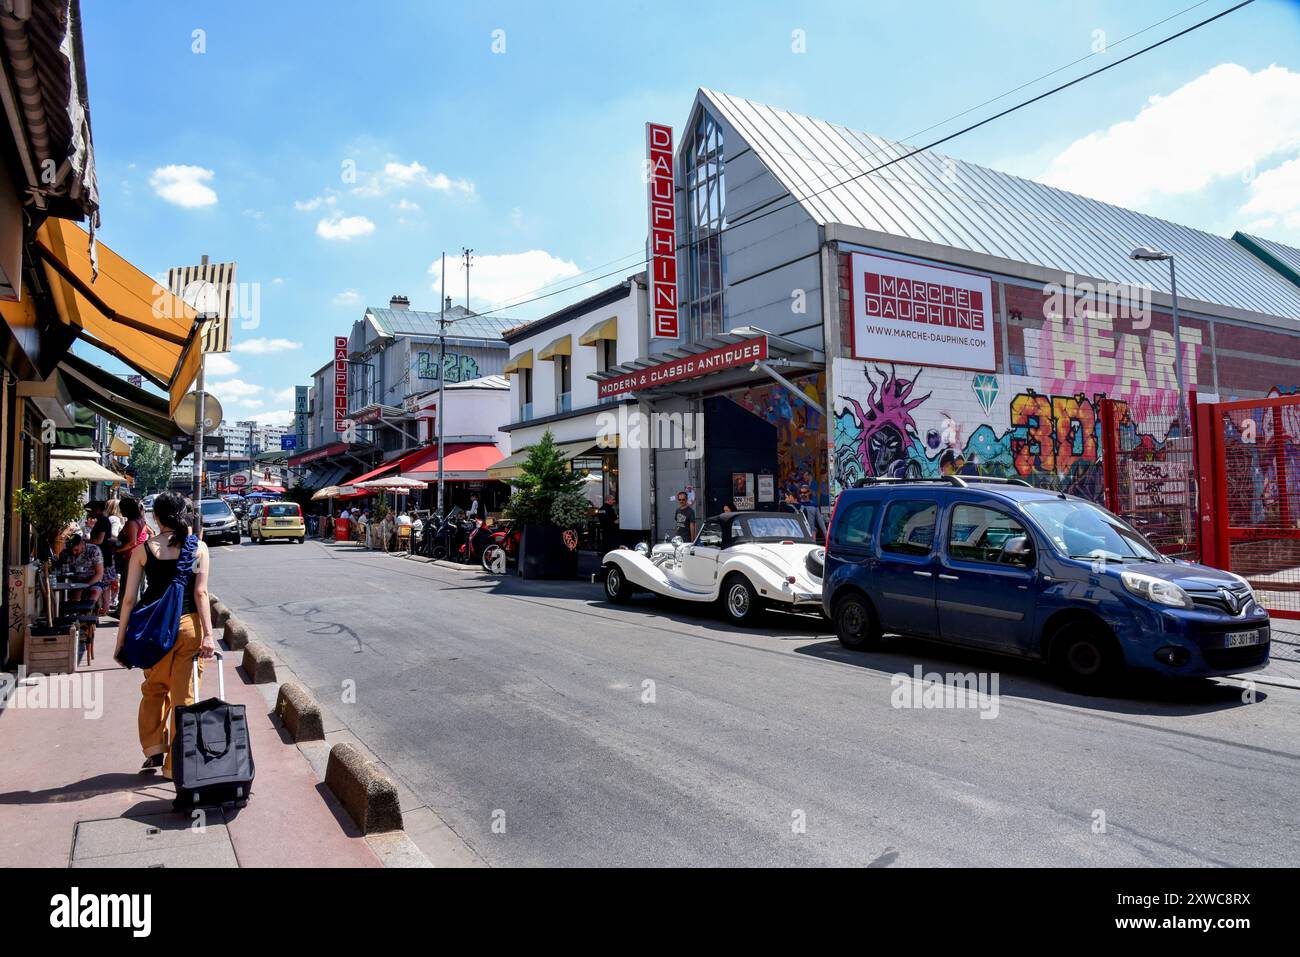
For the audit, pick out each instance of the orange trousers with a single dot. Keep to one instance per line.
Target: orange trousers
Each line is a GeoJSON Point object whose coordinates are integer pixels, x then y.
{"type": "Point", "coordinates": [166, 685]}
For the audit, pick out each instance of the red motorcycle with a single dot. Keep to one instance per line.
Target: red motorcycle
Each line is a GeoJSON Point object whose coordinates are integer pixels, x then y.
{"type": "Point", "coordinates": [502, 549]}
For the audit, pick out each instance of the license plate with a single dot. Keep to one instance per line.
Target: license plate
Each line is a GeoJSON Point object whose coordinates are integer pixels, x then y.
{"type": "Point", "coordinates": [1239, 639]}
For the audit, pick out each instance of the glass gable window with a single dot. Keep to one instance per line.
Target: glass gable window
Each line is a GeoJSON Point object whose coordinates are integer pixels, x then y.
{"type": "Point", "coordinates": [699, 265]}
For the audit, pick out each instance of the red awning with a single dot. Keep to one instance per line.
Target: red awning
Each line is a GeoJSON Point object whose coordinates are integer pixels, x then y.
{"type": "Point", "coordinates": [398, 463]}
{"type": "Point", "coordinates": [312, 455]}
{"type": "Point", "coordinates": [465, 462]}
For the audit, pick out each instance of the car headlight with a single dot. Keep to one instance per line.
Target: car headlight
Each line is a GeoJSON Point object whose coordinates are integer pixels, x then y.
{"type": "Point", "coordinates": [1156, 589]}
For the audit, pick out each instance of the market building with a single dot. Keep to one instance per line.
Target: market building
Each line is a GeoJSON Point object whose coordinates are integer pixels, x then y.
{"type": "Point", "coordinates": [838, 318]}
{"type": "Point", "coordinates": [373, 411]}
{"type": "Point", "coordinates": [552, 368]}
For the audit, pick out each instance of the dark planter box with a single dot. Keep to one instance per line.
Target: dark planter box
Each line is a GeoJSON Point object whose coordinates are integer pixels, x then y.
{"type": "Point", "coordinates": [543, 554]}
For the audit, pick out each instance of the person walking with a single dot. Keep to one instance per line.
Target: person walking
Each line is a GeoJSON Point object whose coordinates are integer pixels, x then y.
{"type": "Point", "coordinates": [133, 534]}
{"type": "Point", "coordinates": [169, 683]}
{"type": "Point", "coordinates": [684, 519]}
{"type": "Point", "coordinates": [816, 522]}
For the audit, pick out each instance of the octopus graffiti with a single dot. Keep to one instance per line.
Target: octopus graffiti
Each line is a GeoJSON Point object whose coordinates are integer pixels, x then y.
{"type": "Point", "coordinates": [1051, 441]}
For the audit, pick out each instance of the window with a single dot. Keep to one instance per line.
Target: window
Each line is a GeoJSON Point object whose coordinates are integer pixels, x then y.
{"type": "Point", "coordinates": [563, 383]}
{"type": "Point", "coordinates": [525, 394]}
{"type": "Point", "coordinates": [908, 528]}
{"type": "Point", "coordinates": [606, 355]}
{"type": "Point", "coordinates": [283, 510]}
{"type": "Point", "coordinates": [710, 535]}
{"type": "Point", "coordinates": [699, 263]}
{"type": "Point", "coordinates": [853, 529]}
{"type": "Point", "coordinates": [977, 534]}
{"type": "Point", "coordinates": [775, 527]}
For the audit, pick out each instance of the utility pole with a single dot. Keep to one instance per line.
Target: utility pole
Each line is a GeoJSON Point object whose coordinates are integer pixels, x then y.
{"type": "Point", "coordinates": [198, 427]}
{"type": "Point", "coordinates": [467, 252]}
{"type": "Point", "coordinates": [442, 378]}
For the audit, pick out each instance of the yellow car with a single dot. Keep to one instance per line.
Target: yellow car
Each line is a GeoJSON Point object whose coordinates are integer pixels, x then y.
{"type": "Point", "coordinates": [276, 520]}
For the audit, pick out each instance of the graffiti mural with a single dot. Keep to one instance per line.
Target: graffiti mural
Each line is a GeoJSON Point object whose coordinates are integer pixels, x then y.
{"type": "Point", "coordinates": [458, 368]}
{"type": "Point", "coordinates": [981, 424]}
{"type": "Point", "coordinates": [802, 451]}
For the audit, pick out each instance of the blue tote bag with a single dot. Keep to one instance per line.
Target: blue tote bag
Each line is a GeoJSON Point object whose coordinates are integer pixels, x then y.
{"type": "Point", "coordinates": [151, 630]}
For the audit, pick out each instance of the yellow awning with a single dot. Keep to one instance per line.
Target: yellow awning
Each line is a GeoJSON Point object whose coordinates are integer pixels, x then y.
{"type": "Point", "coordinates": [117, 445]}
{"type": "Point", "coordinates": [605, 329]}
{"type": "Point", "coordinates": [562, 346]}
{"type": "Point", "coordinates": [122, 311]}
{"type": "Point", "coordinates": [522, 361]}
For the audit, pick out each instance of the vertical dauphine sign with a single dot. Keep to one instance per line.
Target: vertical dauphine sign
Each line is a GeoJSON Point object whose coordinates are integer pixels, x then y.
{"type": "Point", "coordinates": [340, 384]}
{"type": "Point", "coordinates": [663, 231]}
{"type": "Point", "coordinates": [301, 409]}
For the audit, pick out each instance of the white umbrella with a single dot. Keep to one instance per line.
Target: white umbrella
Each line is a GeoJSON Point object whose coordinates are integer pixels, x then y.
{"type": "Point", "coordinates": [329, 491]}
{"type": "Point", "coordinates": [392, 483]}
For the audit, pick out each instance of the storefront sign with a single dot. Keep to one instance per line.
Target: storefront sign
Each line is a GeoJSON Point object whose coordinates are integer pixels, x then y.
{"type": "Point", "coordinates": [314, 455]}
{"type": "Point", "coordinates": [921, 315]}
{"type": "Point", "coordinates": [741, 353]}
{"type": "Point", "coordinates": [340, 384]}
{"type": "Point", "coordinates": [301, 414]}
{"type": "Point", "coordinates": [663, 231]}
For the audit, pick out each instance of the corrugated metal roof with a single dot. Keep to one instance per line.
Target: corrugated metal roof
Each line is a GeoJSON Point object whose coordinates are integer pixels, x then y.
{"type": "Point", "coordinates": [949, 202]}
{"type": "Point", "coordinates": [412, 322]}
{"type": "Point", "coordinates": [1285, 259]}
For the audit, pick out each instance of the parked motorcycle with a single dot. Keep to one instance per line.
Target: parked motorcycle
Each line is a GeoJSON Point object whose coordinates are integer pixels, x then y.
{"type": "Point", "coordinates": [450, 536]}
{"type": "Point", "coordinates": [502, 549]}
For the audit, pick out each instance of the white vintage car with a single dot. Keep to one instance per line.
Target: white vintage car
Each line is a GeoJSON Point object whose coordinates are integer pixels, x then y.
{"type": "Point", "coordinates": [742, 560]}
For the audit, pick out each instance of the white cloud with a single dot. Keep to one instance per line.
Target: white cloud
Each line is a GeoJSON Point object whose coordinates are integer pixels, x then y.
{"type": "Point", "coordinates": [344, 227]}
{"type": "Point", "coordinates": [235, 391]}
{"type": "Point", "coordinates": [1227, 122]}
{"type": "Point", "coordinates": [283, 395]}
{"type": "Point", "coordinates": [263, 346]}
{"type": "Point", "coordinates": [1275, 199]}
{"type": "Point", "coordinates": [277, 281]}
{"type": "Point", "coordinates": [184, 185]}
{"type": "Point", "coordinates": [496, 279]}
{"type": "Point", "coordinates": [275, 417]}
{"type": "Point", "coordinates": [307, 205]}
{"type": "Point", "coordinates": [348, 297]}
{"type": "Point", "coordinates": [396, 175]}
{"type": "Point", "coordinates": [220, 364]}
{"type": "Point", "coordinates": [406, 206]}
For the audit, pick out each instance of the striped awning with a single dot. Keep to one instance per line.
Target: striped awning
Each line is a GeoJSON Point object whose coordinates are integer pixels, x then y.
{"type": "Point", "coordinates": [605, 329]}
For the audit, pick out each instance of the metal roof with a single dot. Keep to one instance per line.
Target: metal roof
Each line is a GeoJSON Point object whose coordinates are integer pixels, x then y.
{"type": "Point", "coordinates": [949, 202]}
{"type": "Point", "coordinates": [466, 325]}
{"type": "Point", "coordinates": [1285, 259]}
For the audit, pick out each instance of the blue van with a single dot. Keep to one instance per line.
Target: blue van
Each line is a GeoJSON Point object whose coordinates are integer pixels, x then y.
{"type": "Point", "coordinates": [999, 565]}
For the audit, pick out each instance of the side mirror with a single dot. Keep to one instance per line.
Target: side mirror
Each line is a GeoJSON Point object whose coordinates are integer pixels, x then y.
{"type": "Point", "coordinates": [677, 540]}
{"type": "Point", "coordinates": [1017, 551]}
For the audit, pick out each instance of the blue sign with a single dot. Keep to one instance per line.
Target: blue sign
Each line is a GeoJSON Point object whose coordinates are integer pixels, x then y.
{"type": "Point", "coordinates": [288, 442]}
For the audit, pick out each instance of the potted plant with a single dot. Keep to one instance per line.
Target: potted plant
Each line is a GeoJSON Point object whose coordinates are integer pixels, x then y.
{"type": "Point", "coordinates": [548, 504]}
{"type": "Point", "coordinates": [49, 507]}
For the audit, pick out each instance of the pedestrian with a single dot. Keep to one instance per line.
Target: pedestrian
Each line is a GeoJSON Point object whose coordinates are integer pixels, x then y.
{"type": "Point", "coordinates": [84, 563]}
{"type": "Point", "coordinates": [100, 536]}
{"type": "Point", "coordinates": [816, 522]}
{"type": "Point", "coordinates": [170, 682]}
{"type": "Point", "coordinates": [607, 517]}
{"type": "Point", "coordinates": [134, 533]}
{"type": "Point", "coordinates": [684, 519]}
{"type": "Point", "coordinates": [475, 508]}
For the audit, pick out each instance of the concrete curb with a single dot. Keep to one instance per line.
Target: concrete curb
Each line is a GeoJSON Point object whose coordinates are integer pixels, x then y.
{"type": "Point", "coordinates": [299, 711]}
{"type": "Point", "coordinates": [258, 664]}
{"type": "Point", "coordinates": [220, 614]}
{"type": "Point", "coordinates": [366, 793]}
{"type": "Point", "coordinates": [236, 634]}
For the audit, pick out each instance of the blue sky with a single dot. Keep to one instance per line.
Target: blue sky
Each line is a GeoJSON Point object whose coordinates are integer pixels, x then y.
{"type": "Point", "coordinates": [532, 154]}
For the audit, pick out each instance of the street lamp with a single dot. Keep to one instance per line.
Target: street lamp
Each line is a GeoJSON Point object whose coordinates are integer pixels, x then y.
{"type": "Point", "coordinates": [1148, 254]}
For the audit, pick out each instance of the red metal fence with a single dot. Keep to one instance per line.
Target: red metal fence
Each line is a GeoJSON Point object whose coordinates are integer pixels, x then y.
{"type": "Point", "coordinates": [1248, 466]}
{"type": "Point", "coordinates": [1150, 481]}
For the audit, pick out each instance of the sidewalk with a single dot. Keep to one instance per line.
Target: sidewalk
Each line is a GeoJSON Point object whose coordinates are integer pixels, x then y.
{"type": "Point", "coordinates": [1284, 656]}
{"type": "Point", "coordinates": [71, 795]}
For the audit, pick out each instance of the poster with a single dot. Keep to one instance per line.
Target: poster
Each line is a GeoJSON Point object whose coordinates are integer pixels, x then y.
{"type": "Point", "coordinates": [742, 491]}
{"type": "Point", "coordinates": [767, 488]}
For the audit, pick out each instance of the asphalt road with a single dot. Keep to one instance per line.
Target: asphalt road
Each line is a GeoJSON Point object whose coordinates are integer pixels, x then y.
{"type": "Point", "coordinates": [527, 704]}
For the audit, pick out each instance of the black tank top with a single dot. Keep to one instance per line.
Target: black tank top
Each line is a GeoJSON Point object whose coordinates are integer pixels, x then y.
{"type": "Point", "coordinates": [159, 573]}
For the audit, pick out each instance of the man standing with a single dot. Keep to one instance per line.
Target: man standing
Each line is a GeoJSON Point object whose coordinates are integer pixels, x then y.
{"type": "Point", "coordinates": [607, 516]}
{"type": "Point", "coordinates": [684, 519]}
{"type": "Point", "coordinates": [812, 513]}
{"type": "Point", "coordinates": [475, 509]}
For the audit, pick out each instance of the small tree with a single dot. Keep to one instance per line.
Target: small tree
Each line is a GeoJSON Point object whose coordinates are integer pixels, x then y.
{"type": "Point", "coordinates": [548, 492]}
{"type": "Point", "coordinates": [152, 465]}
{"type": "Point", "coordinates": [49, 507]}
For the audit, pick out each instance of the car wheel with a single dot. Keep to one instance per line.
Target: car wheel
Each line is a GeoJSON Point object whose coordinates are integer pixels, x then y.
{"type": "Point", "coordinates": [1085, 658]}
{"type": "Point", "coordinates": [855, 622]}
{"type": "Point", "coordinates": [617, 587]}
{"type": "Point", "coordinates": [739, 600]}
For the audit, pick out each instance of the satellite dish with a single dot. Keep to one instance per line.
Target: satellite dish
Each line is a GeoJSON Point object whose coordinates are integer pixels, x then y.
{"type": "Point", "coordinates": [189, 409]}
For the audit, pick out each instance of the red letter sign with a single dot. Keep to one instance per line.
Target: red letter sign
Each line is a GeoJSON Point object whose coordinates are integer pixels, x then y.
{"type": "Point", "coordinates": [663, 231]}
